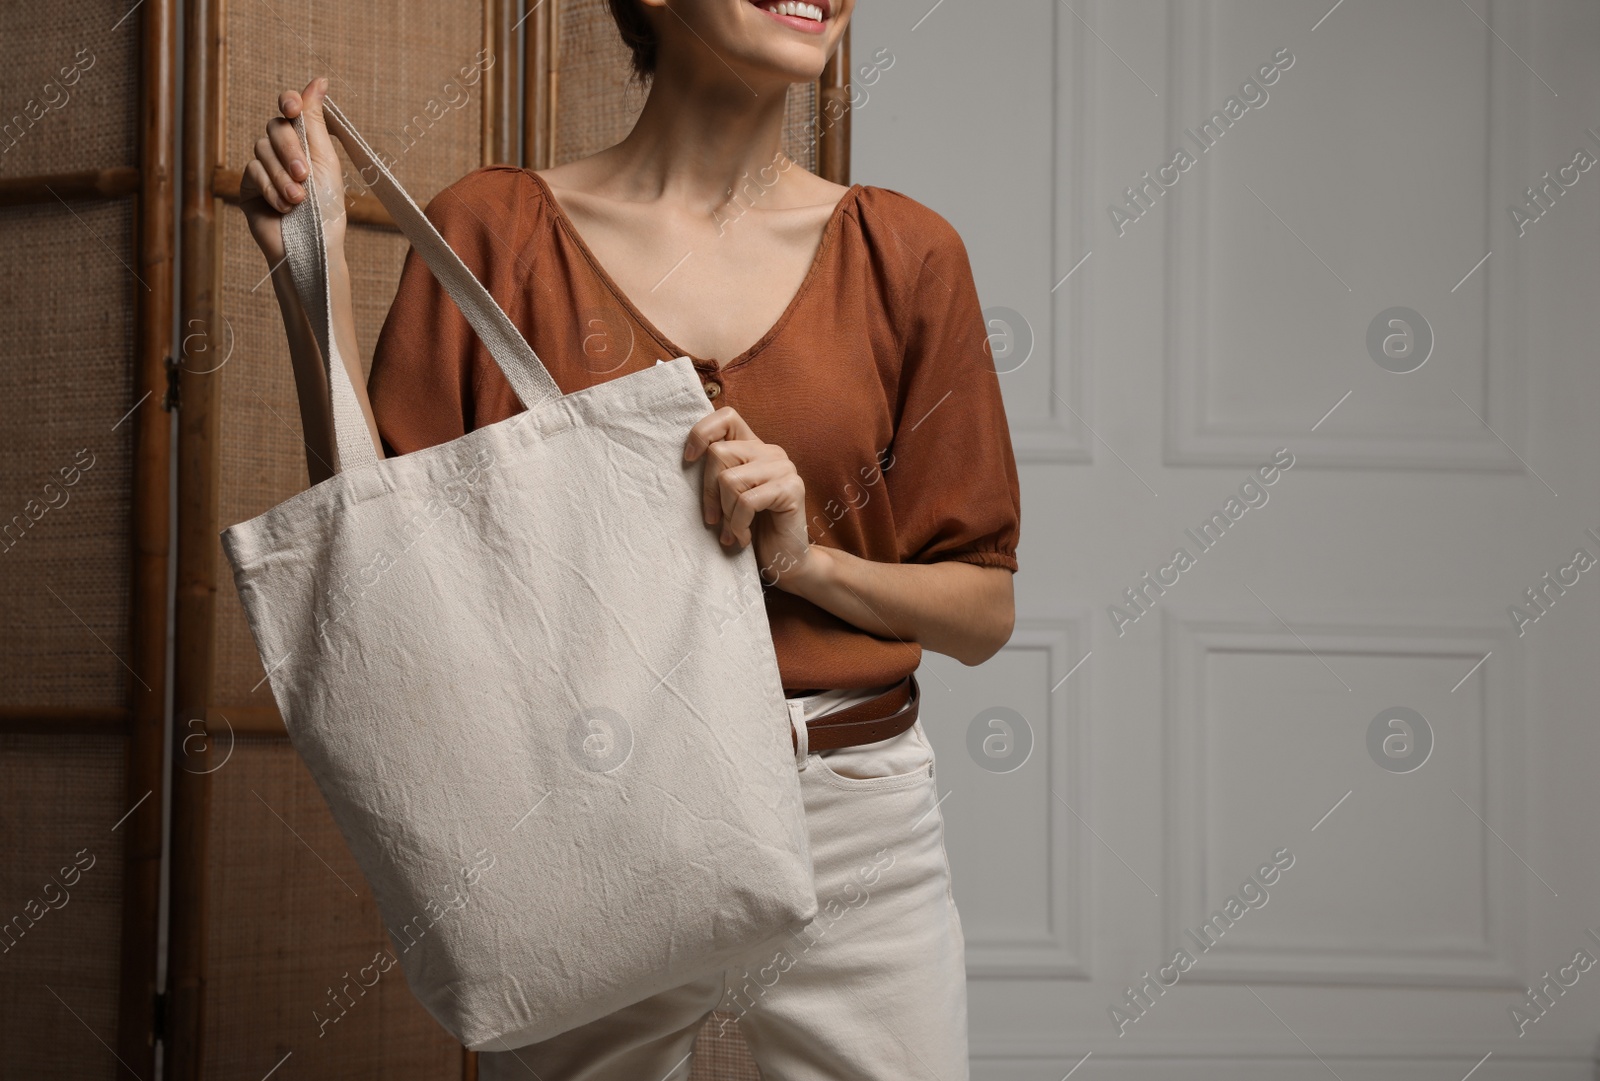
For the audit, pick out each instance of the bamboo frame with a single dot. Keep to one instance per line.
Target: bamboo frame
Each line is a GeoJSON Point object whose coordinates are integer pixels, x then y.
{"type": "Point", "coordinates": [539, 86]}
{"type": "Point", "coordinates": [113, 183]}
{"type": "Point", "coordinates": [152, 435]}
{"type": "Point", "coordinates": [499, 145]}
{"type": "Point", "coordinates": [61, 720]}
{"type": "Point", "coordinates": [198, 439]}
{"type": "Point", "coordinates": [833, 150]}
{"type": "Point", "coordinates": [252, 721]}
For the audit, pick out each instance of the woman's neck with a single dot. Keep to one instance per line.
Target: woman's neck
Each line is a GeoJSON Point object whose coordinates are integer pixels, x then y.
{"type": "Point", "coordinates": [699, 137]}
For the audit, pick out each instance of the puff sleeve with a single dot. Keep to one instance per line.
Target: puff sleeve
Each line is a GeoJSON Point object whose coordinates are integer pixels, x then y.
{"type": "Point", "coordinates": [951, 473]}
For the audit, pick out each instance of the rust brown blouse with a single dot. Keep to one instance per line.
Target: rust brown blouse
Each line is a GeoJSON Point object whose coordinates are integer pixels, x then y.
{"type": "Point", "coordinates": [876, 380]}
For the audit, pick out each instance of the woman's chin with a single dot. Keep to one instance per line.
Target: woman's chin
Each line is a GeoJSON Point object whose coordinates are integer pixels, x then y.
{"type": "Point", "coordinates": [786, 47]}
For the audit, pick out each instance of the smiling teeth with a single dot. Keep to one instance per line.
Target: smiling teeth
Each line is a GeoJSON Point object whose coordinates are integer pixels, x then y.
{"type": "Point", "coordinates": [791, 7]}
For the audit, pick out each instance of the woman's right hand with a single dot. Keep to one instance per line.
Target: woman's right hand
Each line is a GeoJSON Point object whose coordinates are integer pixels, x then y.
{"type": "Point", "coordinates": [273, 181]}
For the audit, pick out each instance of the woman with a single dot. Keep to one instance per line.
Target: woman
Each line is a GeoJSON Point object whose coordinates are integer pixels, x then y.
{"type": "Point", "coordinates": [857, 440]}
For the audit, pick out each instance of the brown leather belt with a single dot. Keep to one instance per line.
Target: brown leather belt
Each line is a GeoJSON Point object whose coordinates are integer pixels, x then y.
{"type": "Point", "coordinates": [889, 714]}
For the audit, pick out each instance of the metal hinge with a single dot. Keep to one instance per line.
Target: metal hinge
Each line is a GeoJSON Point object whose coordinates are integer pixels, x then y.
{"type": "Point", "coordinates": [158, 1019]}
{"type": "Point", "coordinates": [169, 400]}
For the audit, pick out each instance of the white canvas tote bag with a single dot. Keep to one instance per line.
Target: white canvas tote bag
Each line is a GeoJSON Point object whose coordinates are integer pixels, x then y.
{"type": "Point", "coordinates": [541, 701]}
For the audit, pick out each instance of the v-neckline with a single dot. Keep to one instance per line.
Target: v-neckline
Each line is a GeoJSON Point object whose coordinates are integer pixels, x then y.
{"type": "Point", "coordinates": [829, 230]}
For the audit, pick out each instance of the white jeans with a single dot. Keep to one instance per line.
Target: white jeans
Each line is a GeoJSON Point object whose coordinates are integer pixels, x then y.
{"type": "Point", "coordinates": [874, 989]}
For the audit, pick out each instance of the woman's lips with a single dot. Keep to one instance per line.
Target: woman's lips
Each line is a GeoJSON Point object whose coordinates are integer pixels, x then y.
{"type": "Point", "coordinates": [799, 22]}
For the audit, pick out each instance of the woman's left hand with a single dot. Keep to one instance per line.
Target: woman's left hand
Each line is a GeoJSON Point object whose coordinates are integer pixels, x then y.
{"type": "Point", "coordinates": [753, 491]}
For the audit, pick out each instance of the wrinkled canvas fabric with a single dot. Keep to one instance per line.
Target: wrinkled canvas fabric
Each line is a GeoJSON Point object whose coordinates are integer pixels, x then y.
{"type": "Point", "coordinates": [873, 989]}
{"type": "Point", "coordinates": [540, 700]}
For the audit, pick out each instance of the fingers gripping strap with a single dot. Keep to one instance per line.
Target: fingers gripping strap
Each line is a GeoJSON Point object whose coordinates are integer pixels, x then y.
{"type": "Point", "coordinates": [307, 255]}
{"type": "Point", "coordinates": [522, 367]}
{"type": "Point", "coordinates": [305, 250]}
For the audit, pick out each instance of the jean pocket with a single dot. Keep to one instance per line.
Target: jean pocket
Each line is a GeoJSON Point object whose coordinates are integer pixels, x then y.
{"type": "Point", "coordinates": [900, 760]}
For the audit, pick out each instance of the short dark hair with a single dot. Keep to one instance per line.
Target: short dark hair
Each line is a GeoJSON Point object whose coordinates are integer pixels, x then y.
{"type": "Point", "coordinates": [638, 35]}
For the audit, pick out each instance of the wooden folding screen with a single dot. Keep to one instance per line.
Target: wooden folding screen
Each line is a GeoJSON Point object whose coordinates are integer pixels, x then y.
{"type": "Point", "coordinates": [273, 930]}
{"type": "Point", "coordinates": [86, 245]}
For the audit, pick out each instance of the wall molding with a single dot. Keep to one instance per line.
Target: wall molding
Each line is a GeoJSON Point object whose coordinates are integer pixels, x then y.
{"type": "Point", "coordinates": [1193, 438]}
{"type": "Point", "coordinates": [1204, 1056]}
{"type": "Point", "coordinates": [1062, 952]}
{"type": "Point", "coordinates": [1494, 962]}
{"type": "Point", "coordinates": [1064, 437]}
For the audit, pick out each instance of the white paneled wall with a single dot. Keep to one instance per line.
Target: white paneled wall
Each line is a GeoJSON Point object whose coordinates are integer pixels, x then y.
{"type": "Point", "coordinates": [1163, 727]}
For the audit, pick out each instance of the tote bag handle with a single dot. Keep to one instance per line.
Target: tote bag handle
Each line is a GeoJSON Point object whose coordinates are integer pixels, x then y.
{"type": "Point", "coordinates": [305, 249]}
